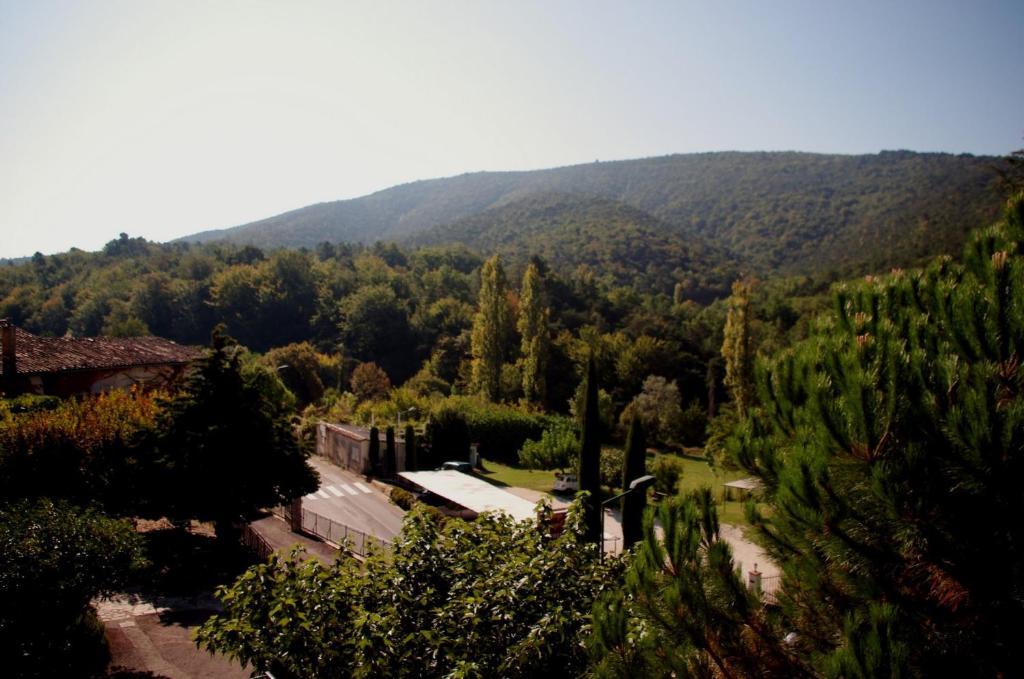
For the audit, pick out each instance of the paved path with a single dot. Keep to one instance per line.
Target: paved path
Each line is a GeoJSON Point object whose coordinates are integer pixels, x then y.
{"type": "Point", "coordinates": [153, 636]}
{"type": "Point", "coordinates": [351, 500]}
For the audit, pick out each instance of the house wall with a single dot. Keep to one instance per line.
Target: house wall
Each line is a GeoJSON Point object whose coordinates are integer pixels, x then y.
{"type": "Point", "coordinates": [78, 382]}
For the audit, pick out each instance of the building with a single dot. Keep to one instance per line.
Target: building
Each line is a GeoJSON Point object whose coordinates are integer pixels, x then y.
{"type": "Point", "coordinates": [349, 447]}
{"type": "Point", "coordinates": [71, 366]}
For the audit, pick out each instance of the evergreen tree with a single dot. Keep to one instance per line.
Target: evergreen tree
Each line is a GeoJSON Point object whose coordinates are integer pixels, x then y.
{"type": "Point", "coordinates": [737, 348]}
{"type": "Point", "coordinates": [228, 444]}
{"type": "Point", "coordinates": [373, 454]}
{"type": "Point", "coordinates": [533, 329]}
{"type": "Point", "coordinates": [411, 454]}
{"type": "Point", "coordinates": [590, 457]}
{"type": "Point", "coordinates": [390, 464]}
{"type": "Point", "coordinates": [491, 330]}
{"type": "Point", "coordinates": [633, 504]}
{"type": "Point", "coordinates": [891, 445]}
{"type": "Point", "coordinates": [684, 611]}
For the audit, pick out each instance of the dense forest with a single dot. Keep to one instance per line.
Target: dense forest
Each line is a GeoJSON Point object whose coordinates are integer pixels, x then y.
{"type": "Point", "coordinates": [797, 212]}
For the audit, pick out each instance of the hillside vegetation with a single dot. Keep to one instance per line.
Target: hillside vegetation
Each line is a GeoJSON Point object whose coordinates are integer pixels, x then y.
{"type": "Point", "coordinates": [618, 242]}
{"type": "Point", "coordinates": [782, 211]}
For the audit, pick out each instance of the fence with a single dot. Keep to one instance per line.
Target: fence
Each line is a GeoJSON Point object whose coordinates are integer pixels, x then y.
{"type": "Point", "coordinates": [255, 542]}
{"type": "Point", "coordinates": [346, 537]}
{"type": "Point", "coordinates": [769, 589]}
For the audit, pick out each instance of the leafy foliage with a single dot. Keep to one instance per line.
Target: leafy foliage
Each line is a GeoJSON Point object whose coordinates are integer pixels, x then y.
{"type": "Point", "coordinates": [89, 451]}
{"type": "Point", "coordinates": [492, 328]}
{"type": "Point", "coordinates": [557, 448]}
{"type": "Point", "coordinates": [54, 559]}
{"type": "Point", "coordinates": [487, 598]}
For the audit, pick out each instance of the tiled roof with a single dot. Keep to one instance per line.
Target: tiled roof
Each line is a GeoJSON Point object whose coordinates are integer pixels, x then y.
{"type": "Point", "coordinates": [37, 355]}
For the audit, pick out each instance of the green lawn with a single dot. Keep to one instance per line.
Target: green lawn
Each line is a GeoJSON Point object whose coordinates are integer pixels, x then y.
{"type": "Point", "coordinates": [504, 475]}
{"type": "Point", "coordinates": [696, 474]}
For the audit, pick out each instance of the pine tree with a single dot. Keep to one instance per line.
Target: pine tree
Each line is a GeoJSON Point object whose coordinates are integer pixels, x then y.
{"type": "Point", "coordinates": [411, 454]}
{"type": "Point", "coordinates": [489, 342]}
{"type": "Point", "coordinates": [737, 348]}
{"type": "Point", "coordinates": [390, 461]}
{"type": "Point", "coordinates": [684, 611]}
{"type": "Point", "coordinates": [374, 452]}
{"type": "Point", "coordinates": [533, 329]}
{"type": "Point", "coordinates": [590, 457]}
{"type": "Point", "coordinates": [633, 504]}
{"type": "Point", "coordinates": [891, 445]}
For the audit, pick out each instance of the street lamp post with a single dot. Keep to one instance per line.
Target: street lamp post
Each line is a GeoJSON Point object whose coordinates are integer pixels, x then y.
{"type": "Point", "coordinates": [640, 484]}
{"type": "Point", "coordinates": [404, 412]}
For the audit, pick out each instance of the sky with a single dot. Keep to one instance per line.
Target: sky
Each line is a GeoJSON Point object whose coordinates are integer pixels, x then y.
{"type": "Point", "coordinates": [161, 119]}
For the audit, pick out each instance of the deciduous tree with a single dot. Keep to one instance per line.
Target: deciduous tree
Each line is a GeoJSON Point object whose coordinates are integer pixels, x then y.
{"type": "Point", "coordinates": [491, 330]}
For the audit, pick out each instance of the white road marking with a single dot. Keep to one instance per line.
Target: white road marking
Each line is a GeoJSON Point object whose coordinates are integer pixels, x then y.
{"type": "Point", "coordinates": [363, 488]}
{"type": "Point", "coordinates": [311, 496]}
{"type": "Point", "coordinates": [334, 491]}
{"type": "Point", "coordinates": [348, 489]}
{"type": "Point", "coordinates": [322, 494]}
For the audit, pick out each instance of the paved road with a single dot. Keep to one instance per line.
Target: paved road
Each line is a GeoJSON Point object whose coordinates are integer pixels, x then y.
{"type": "Point", "coordinates": [351, 500]}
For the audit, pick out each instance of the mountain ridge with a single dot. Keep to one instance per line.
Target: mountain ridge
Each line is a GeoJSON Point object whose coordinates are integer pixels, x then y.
{"type": "Point", "coordinates": [787, 211]}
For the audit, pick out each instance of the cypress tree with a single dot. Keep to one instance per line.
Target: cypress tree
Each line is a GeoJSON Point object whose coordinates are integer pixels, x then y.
{"type": "Point", "coordinates": [390, 462]}
{"type": "Point", "coordinates": [374, 453]}
{"type": "Point", "coordinates": [590, 457]}
{"type": "Point", "coordinates": [635, 466]}
{"type": "Point", "coordinates": [491, 329]}
{"type": "Point", "coordinates": [737, 349]}
{"type": "Point", "coordinates": [411, 461]}
{"type": "Point", "coordinates": [533, 329]}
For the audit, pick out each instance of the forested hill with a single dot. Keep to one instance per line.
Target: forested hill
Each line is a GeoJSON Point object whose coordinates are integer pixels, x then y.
{"type": "Point", "coordinates": [621, 243]}
{"type": "Point", "coordinates": [778, 211]}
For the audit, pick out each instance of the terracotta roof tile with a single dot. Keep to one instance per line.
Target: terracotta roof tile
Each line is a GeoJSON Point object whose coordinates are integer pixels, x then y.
{"type": "Point", "coordinates": [37, 355]}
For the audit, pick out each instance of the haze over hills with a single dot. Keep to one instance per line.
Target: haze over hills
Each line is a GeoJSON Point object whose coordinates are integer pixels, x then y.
{"type": "Point", "coordinates": [773, 211]}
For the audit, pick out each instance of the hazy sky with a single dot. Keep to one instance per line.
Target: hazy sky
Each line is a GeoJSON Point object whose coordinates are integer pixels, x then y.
{"type": "Point", "coordinates": [165, 118]}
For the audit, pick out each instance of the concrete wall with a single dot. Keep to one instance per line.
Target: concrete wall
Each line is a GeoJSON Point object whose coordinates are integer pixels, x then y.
{"type": "Point", "coordinates": [350, 452]}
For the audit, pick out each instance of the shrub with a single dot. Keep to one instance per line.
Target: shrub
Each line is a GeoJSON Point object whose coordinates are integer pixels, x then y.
{"type": "Point", "coordinates": [667, 471]}
{"type": "Point", "coordinates": [402, 498]}
{"type": "Point", "coordinates": [611, 467]}
{"type": "Point", "coordinates": [558, 447]}
{"type": "Point", "coordinates": [500, 430]}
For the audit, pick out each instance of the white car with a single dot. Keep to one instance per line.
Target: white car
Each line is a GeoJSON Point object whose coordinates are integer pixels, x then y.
{"type": "Point", "coordinates": [566, 483]}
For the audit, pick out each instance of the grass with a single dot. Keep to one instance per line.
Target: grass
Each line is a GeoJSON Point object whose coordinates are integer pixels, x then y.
{"type": "Point", "coordinates": [696, 474]}
{"type": "Point", "coordinates": [505, 475]}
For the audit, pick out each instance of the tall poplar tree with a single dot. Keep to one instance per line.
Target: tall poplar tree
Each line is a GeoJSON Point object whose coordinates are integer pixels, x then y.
{"type": "Point", "coordinates": [590, 457]}
{"type": "Point", "coordinates": [737, 348]}
{"type": "Point", "coordinates": [635, 466]}
{"type": "Point", "coordinates": [491, 330]}
{"type": "Point", "coordinates": [533, 329]}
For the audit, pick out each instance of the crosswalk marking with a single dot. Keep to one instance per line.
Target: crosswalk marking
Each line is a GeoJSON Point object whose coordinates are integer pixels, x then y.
{"type": "Point", "coordinates": [338, 489]}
